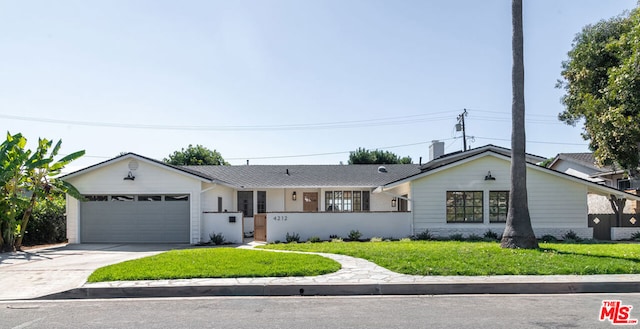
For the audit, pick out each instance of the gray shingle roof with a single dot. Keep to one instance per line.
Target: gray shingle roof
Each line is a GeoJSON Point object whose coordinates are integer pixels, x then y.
{"type": "Point", "coordinates": [455, 156]}
{"type": "Point", "coordinates": [274, 176]}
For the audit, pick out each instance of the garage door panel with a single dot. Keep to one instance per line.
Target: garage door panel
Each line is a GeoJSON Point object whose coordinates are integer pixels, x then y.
{"type": "Point", "coordinates": [135, 222]}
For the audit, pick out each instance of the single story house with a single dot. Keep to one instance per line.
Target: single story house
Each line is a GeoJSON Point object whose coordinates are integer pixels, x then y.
{"type": "Point", "coordinates": [132, 198]}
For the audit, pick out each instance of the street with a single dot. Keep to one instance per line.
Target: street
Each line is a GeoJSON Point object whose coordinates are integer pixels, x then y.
{"type": "Point", "coordinates": [477, 311]}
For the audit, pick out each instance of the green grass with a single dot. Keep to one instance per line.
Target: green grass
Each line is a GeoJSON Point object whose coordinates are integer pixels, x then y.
{"type": "Point", "coordinates": [216, 263]}
{"type": "Point", "coordinates": [485, 258]}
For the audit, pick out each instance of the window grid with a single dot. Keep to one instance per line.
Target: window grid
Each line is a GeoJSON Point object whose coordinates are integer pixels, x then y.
{"type": "Point", "coordinates": [498, 206]}
{"type": "Point", "coordinates": [465, 207]}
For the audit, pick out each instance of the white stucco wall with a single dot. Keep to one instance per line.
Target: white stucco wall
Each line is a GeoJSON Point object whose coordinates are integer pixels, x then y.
{"type": "Point", "coordinates": [380, 224]}
{"type": "Point", "coordinates": [219, 223]}
{"type": "Point", "coordinates": [556, 204]}
{"type": "Point", "coordinates": [150, 178]}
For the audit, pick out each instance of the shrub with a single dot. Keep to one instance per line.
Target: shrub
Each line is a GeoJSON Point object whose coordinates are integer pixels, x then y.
{"type": "Point", "coordinates": [216, 239]}
{"type": "Point", "coordinates": [376, 239]}
{"type": "Point", "coordinates": [635, 236]}
{"type": "Point", "coordinates": [548, 238]}
{"type": "Point", "coordinates": [48, 223]}
{"type": "Point", "coordinates": [405, 240]}
{"type": "Point", "coordinates": [336, 240]}
{"type": "Point", "coordinates": [424, 235]}
{"type": "Point", "coordinates": [354, 235]}
{"type": "Point", "coordinates": [490, 235]}
{"type": "Point", "coordinates": [314, 239]}
{"type": "Point", "coordinates": [293, 237]}
{"type": "Point", "coordinates": [571, 236]}
{"type": "Point", "coordinates": [456, 237]}
{"type": "Point", "coordinates": [474, 237]}
{"type": "Point", "coordinates": [334, 236]}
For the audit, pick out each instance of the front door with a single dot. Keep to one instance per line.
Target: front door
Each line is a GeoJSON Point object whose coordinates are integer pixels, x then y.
{"type": "Point", "coordinates": [260, 227]}
{"type": "Point", "coordinates": [310, 202]}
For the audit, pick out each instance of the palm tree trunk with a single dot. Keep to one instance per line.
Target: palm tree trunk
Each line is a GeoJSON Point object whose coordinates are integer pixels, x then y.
{"type": "Point", "coordinates": [518, 232]}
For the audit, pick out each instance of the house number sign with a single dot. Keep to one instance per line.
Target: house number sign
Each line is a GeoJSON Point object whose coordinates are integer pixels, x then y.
{"type": "Point", "coordinates": [278, 218]}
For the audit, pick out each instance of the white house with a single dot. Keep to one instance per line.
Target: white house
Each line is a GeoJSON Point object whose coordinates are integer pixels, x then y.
{"type": "Point", "coordinates": [132, 198]}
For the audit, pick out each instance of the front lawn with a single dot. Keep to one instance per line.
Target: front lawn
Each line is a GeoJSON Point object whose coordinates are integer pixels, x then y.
{"type": "Point", "coordinates": [484, 258]}
{"type": "Point", "coordinates": [216, 263]}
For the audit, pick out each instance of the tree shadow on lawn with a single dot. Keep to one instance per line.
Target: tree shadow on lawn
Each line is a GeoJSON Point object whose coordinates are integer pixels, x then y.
{"type": "Point", "coordinates": [564, 252]}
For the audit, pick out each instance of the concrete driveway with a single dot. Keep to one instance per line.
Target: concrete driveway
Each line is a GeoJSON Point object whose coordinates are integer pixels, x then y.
{"type": "Point", "coordinates": [37, 273]}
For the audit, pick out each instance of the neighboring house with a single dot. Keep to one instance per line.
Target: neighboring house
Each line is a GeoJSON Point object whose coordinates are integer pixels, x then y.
{"type": "Point", "coordinates": [603, 209]}
{"type": "Point", "coordinates": [132, 198]}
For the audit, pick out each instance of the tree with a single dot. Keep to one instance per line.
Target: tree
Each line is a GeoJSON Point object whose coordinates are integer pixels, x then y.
{"type": "Point", "coordinates": [601, 81]}
{"type": "Point", "coordinates": [364, 156]}
{"type": "Point", "coordinates": [518, 232]}
{"type": "Point", "coordinates": [196, 156]}
{"type": "Point", "coordinates": [25, 178]}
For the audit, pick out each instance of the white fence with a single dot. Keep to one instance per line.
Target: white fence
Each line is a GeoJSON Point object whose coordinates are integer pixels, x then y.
{"type": "Point", "coordinates": [324, 224]}
{"type": "Point", "coordinates": [227, 223]}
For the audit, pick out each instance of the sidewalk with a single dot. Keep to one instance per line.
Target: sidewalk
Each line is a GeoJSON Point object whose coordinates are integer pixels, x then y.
{"type": "Point", "coordinates": [357, 277]}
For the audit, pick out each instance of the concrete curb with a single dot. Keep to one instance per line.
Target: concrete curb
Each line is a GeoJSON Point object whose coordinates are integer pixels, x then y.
{"type": "Point", "coordinates": [348, 290]}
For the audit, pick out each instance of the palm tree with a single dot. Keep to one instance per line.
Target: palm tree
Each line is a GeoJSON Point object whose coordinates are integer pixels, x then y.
{"type": "Point", "coordinates": [518, 232]}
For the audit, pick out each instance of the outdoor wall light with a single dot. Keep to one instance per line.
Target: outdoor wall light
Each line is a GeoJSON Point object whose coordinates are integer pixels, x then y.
{"type": "Point", "coordinates": [130, 176]}
{"type": "Point", "coordinates": [294, 196]}
{"type": "Point", "coordinates": [393, 203]}
{"type": "Point", "coordinates": [489, 177]}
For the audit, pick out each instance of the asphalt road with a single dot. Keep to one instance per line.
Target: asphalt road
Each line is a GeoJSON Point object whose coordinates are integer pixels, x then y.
{"type": "Point", "coordinates": [478, 311]}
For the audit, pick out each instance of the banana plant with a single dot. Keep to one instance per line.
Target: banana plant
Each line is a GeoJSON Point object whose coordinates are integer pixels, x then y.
{"type": "Point", "coordinates": [13, 154]}
{"type": "Point", "coordinates": [40, 172]}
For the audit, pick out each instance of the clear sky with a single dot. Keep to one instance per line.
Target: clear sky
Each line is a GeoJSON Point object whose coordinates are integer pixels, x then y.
{"type": "Point", "coordinates": [283, 81]}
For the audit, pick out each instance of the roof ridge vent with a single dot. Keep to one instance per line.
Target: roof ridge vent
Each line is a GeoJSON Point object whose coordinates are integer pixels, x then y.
{"type": "Point", "coordinates": [382, 169]}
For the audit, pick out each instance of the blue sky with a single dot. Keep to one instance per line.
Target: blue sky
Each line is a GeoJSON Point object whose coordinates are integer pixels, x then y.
{"type": "Point", "coordinates": [283, 81]}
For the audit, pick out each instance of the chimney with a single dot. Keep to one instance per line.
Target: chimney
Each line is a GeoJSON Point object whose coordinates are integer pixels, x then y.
{"type": "Point", "coordinates": [436, 149]}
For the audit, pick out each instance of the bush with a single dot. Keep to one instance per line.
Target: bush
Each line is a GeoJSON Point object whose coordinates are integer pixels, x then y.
{"type": "Point", "coordinates": [474, 237]}
{"type": "Point", "coordinates": [571, 236]}
{"type": "Point", "coordinates": [548, 238]}
{"type": "Point", "coordinates": [293, 237]}
{"type": "Point", "coordinates": [635, 236]}
{"type": "Point", "coordinates": [456, 237]}
{"type": "Point", "coordinates": [354, 235]}
{"type": "Point", "coordinates": [424, 235]}
{"type": "Point", "coordinates": [216, 239]}
{"type": "Point", "coordinates": [490, 235]}
{"type": "Point", "coordinates": [48, 222]}
{"type": "Point", "coordinates": [405, 240]}
{"type": "Point", "coordinates": [334, 236]}
{"type": "Point", "coordinates": [336, 240]}
{"type": "Point", "coordinates": [376, 239]}
{"type": "Point", "coordinates": [314, 239]}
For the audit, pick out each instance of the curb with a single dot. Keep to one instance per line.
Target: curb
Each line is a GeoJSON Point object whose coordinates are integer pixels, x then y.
{"type": "Point", "coordinates": [348, 290]}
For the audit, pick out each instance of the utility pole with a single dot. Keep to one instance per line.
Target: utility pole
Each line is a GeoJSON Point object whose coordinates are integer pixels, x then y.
{"type": "Point", "coordinates": [460, 126]}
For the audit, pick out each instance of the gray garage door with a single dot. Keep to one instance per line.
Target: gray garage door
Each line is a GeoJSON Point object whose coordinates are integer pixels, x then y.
{"type": "Point", "coordinates": [135, 219]}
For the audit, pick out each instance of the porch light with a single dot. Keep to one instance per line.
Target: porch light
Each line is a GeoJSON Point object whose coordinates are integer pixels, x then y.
{"type": "Point", "coordinates": [294, 196]}
{"type": "Point", "coordinates": [393, 203]}
{"type": "Point", "coordinates": [130, 176]}
{"type": "Point", "coordinates": [489, 177]}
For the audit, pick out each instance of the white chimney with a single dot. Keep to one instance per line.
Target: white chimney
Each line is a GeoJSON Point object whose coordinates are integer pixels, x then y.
{"type": "Point", "coordinates": [436, 149]}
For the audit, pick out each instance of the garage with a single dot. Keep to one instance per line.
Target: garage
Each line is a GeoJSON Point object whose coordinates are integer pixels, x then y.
{"type": "Point", "coordinates": [131, 218]}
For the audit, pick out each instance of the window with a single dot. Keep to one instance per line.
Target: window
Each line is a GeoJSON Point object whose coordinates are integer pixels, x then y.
{"type": "Point", "coordinates": [624, 184]}
{"type": "Point", "coordinates": [182, 197]}
{"type": "Point", "coordinates": [149, 197]}
{"type": "Point", "coordinates": [245, 203]}
{"type": "Point", "coordinates": [122, 198]}
{"type": "Point", "coordinates": [96, 198]}
{"type": "Point", "coordinates": [346, 200]}
{"type": "Point", "coordinates": [498, 206]}
{"type": "Point", "coordinates": [262, 202]}
{"type": "Point", "coordinates": [464, 207]}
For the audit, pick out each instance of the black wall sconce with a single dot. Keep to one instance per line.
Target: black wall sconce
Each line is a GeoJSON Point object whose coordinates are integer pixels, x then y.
{"type": "Point", "coordinates": [393, 203]}
{"type": "Point", "coordinates": [294, 196]}
{"type": "Point", "coordinates": [130, 176]}
{"type": "Point", "coordinates": [489, 177]}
